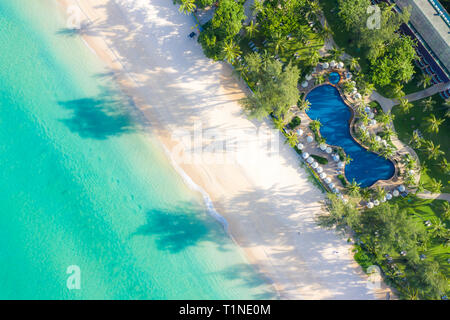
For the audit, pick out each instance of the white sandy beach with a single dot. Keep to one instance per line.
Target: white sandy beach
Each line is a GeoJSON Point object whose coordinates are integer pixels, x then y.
{"type": "Point", "coordinates": [265, 196]}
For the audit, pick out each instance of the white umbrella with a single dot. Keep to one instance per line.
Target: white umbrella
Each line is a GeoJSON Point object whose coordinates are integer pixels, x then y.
{"type": "Point", "coordinates": [354, 90]}
{"type": "Point", "coordinates": [370, 205]}
{"type": "Point", "coordinates": [310, 160]}
{"type": "Point", "coordinates": [378, 138]}
{"type": "Point", "coordinates": [371, 115]}
{"type": "Point", "coordinates": [358, 95]}
{"type": "Point", "coordinates": [325, 65]}
{"type": "Point", "coordinates": [367, 109]}
{"type": "Point", "coordinates": [327, 180]}
{"type": "Point", "coordinates": [323, 146]}
{"type": "Point", "coordinates": [388, 196]}
{"type": "Point", "coordinates": [396, 193]}
{"type": "Point", "coordinates": [373, 122]}
{"type": "Point", "coordinates": [309, 139]}
{"type": "Point", "coordinates": [345, 200]}
{"type": "Point", "coordinates": [305, 155]}
{"type": "Point", "coordinates": [328, 150]}
{"type": "Point", "coordinates": [362, 127]}
{"type": "Point", "coordinates": [319, 170]}
{"type": "Point", "coordinates": [383, 200]}
{"type": "Point", "coordinates": [335, 157]}
{"type": "Point", "coordinates": [340, 65]}
{"type": "Point", "coordinates": [333, 64]}
{"type": "Point", "coordinates": [411, 172]}
{"type": "Point", "coordinates": [401, 188]}
{"type": "Point", "coordinates": [314, 165]}
{"type": "Point", "coordinates": [335, 190]}
{"type": "Point", "coordinates": [308, 77]}
{"type": "Point", "coordinates": [304, 84]}
{"type": "Point", "coordinates": [349, 75]}
{"type": "Point", "coordinates": [299, 132]}
{"type": "Point", "coordinates": [300, 146]}
{"type": "Point", "coordinates": [331, 185]}
{"type": "Point", "coordinates": [341, 164]}
{"type": "Point", "coordinates": [323, 175]}
{"type": "Point", "coordinates": [376, 202]}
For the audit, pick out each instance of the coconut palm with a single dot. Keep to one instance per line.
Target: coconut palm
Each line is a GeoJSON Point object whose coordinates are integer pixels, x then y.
{"type": "Point", "coordinates": [354, 64]}
{"type": "Point", "coordinates": [336, 53]}
{"type": "Point", "coordinates": [387, 118]}
{"type": "Point", "coordinates": [425, 81]}
{"type": "Point", "coordinates": [411, 293]}
{"type": "Point", "coordinates": [279, 123]}
{"type": "Point", "coordinates": [434, 123]}
{"type": "Point", "coordinates": [398, 90]}
{"type": "Point", "coordinates": [347, 159]}
{"type": "Point", "coordinates": [257, 7]}
{"type": "Point", "coordinates": [416, 140]}
{"type": "Point", "coordinates": [438, 228]}
{"type": "Point", "coordinates": [291, 139]}
{"type": "Point", "coordinates": [405, 105]}
{"type": "Point", "coordinates": [278, 43]}
{"type": "Point", "coordinates": [433, 151]}
{"type": "Point", "coordinates": [444, 165]}
{"type": "Point", "coordinates": [231, 50]}
{"type": "Point", "coordinates": [320, 79]}
{"type": "Point", "coordinates": [315, 125]}
{"type": "Point", "coordinates": [187, 6]}
{"type": "Point", "coordinates": [387, 152]}
{"type": "Point", "coordinates": [251, 29]}
{"type": "Point", "coordinates": [354, 188]}
{"type": "Point", "coordinates": [313, 58]}
{"type": "Point", "coordinates": [388, 133]}
{"type": "Point", "coordinates": [446, 211]}
{"type": "Point", "coordinates": [435, 185]}
{"type": "Point", "coordinates": [428, 104]}
{"type": "Point", "coordinates": [305, 105]}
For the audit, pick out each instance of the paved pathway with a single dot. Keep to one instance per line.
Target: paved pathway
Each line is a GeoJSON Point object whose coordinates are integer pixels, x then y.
{"type": "Point", "coordinates": [428, 91]}
{"type": "Point", "coordinates": [429, 195]}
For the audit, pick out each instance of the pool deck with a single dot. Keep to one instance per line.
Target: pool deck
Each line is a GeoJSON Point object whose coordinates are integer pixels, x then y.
{"type": "Point", "coordinates": [331, 168]}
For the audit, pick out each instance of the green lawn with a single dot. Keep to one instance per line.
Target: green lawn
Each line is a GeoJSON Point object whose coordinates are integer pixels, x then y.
{"type": "Point", "coordinates": [423, 210]}
{"type": "Point", "coordinates": [405, 124]}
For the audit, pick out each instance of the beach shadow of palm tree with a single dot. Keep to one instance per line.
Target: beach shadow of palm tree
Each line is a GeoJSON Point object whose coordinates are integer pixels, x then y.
{"type": "Point", "coordinates": [176, 229]}
{"type": "Point", "coordinates": [99, 117]}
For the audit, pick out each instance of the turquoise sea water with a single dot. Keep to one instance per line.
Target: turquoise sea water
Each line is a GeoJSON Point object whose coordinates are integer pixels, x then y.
{"type": "Point", "coordinates": [81, 184]}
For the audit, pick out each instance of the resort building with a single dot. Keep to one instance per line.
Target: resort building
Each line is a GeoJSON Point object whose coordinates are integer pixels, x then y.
{"type": "Point", "coordinates": [429, 25]}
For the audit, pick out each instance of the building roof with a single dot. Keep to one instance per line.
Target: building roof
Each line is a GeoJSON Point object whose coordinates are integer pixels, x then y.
{"type": "Point", "coordinates": [431, 25]}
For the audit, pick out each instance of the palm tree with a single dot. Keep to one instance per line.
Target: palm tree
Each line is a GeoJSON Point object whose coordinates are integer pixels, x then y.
{"type": "Point", "coordinates": [347, 159]}
{"type": "Point", "coordinates": [428, 104]}
{"type": "Point", "coordinates": [433, 151]}
{"type": "Point", "coordinates": [187, 6]}
{"type": "Point", "coordinates": [388, 133]}
{"type": "Point", "coordinates": [320, 78]}
{"type": "Point", "coordinates": [439, 230]}
{"type": "Point", "coordinates": [416, 140]}
{"type": "Point", "coordinates": [425, 81]}
{"type": "Point", "coordinates": [411, 293]}
{"type": "Point", "coordinates": [251, 29]}
{"type": "Point", "coordinates": [387, 118]}
{"type": "Point", "coordinates": [279, 123]}
{"type": "Point", "coordinates": [231, 51]}
{"type": "Point", "coordinates": [354, 188]}
{"type": "Point", "coordinates": [313, 58]}
{"type": "Point", "coordinates": [381, 192]}
{"type": "Point", "coordinates": [435, 185]}
{"type": "Point", "coordinates": [305, 105]}
{"type": "Point", "coordinates": [315, 125]}
{"type": "Point", "coordinates": [387, 152]}
{"type": "Point", "coordinates": [336, 53]}
{"type": "Point", "coordinates": [292, 139]}
{"type": "Point", "coordinates": [445, 166]}
{"type": "Point", "coordinates": [405, 105]}
{"type": "Point", "coordinates": [258, 7]}
{"type": "Point", "coordinates": [446, 211]}
{"type": "Point", "coordinates": [354, 64]}
{"type": "Point", "coordinates": [398, 90]}
{"type": "Point", "coordinates": [278, 43]}
{"type": "Point", "coordinates": [434, 123]}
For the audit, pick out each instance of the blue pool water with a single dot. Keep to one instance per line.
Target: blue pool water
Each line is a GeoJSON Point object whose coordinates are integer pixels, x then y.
{"type": "Point", "coordinates": [328, 107]}
{"type": "Point", "coordinates": [334, 77]}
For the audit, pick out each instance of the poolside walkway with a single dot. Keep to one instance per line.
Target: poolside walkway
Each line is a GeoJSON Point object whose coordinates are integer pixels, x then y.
{"type": "Point", "coordinates": [429, 195]}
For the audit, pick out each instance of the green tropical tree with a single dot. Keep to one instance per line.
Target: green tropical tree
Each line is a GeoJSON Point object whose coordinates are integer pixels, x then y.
{"type": "Point", "coordinates": [258, 7]}
{"type": "Point", "coordinates": [435, 185]}
{"type": "Point", "coordinates": [187, 6]}
{"type": "Point", "coordinates": [354, 188]}
{"type": "Point", "coordinates": [398, 90]}
{"type": "Point", "coordinates": [387, 118]}
{"type": "Point", "coordinates": [291, 139]}
{"type": "Point", "coordinates": [433, 151]}
{"type": "Point", "coordinates": [444, 165]}
{"type": "Point", "coordinates": [278, 43]}
{"type": "Point", "coordinates": [354, 64]}
{"type": "Point", "coordinates": [313, 58]}
{"type": "Point", "coordinates": [279, 123]}
{"type": "Point", "coordinates": [405, 105]}
{"type": "Point", "coordinates": [336, 53]}
{"type": "Point", "coordinates": [320, 79]}
{"type": "Point", "coordinates": [231, 50]}
{"type": "Point", "coordinates": [428, 104]}
{"type": "Point", "coordinates": [434, 123]}
{"type": "Point", "coordinates": [315, 125]}
{"type": "Point", "coordinates": [387, 152]}
{"type": "Point", "coordinates": [425, 81]}
{"type": "Point", "coordinates": [251, 29]}
{"type": "Point", "coordinates": [305, 105]}
{"type": "Point", "coordinates": [446, 211]}
{"type": "Point", "coordinates": [416, 140]}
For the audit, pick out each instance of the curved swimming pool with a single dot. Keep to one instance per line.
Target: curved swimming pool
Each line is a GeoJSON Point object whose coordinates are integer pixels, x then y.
{"type": "Point", "coordinates": [328, 107]}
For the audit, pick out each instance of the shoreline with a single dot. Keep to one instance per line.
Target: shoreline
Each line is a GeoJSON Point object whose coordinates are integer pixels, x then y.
{"type": "Point", "coordinates": [216, 183]}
